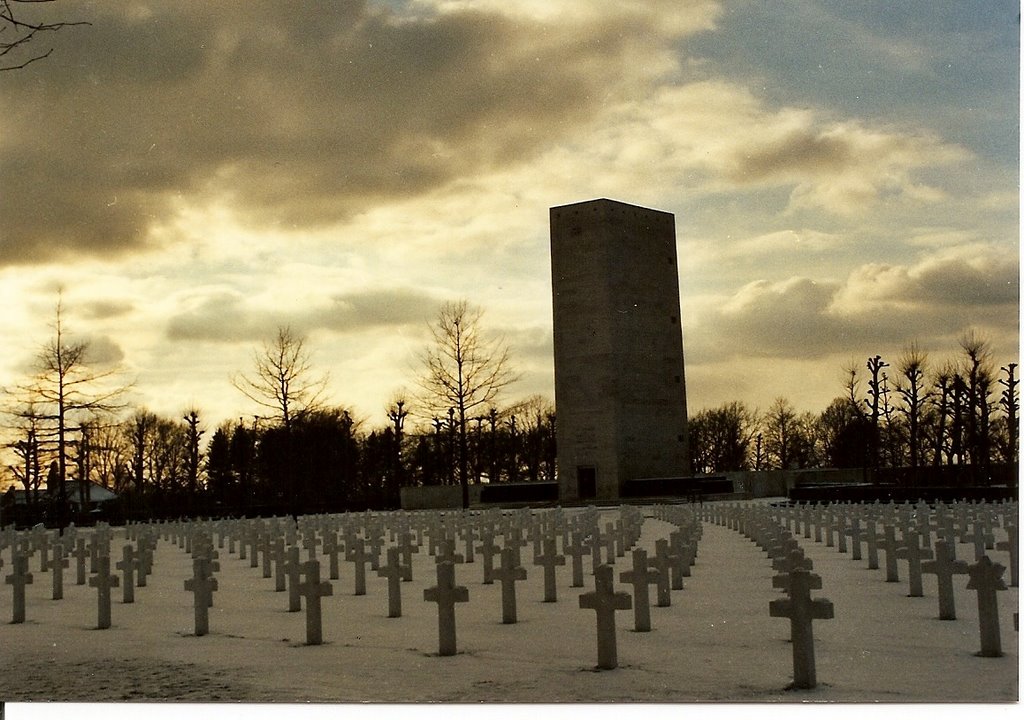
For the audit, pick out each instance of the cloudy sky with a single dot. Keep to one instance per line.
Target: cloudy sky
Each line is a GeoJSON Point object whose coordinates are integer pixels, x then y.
{"type": "Point", "coordinates": [195, 174]}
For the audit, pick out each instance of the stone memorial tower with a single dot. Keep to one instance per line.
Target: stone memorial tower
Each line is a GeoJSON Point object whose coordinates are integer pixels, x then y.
{"type": "Point", "coordinates": [620, 395]}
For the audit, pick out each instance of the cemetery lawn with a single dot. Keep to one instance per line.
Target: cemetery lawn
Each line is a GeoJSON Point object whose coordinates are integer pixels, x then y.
{"type": "Point", "coordinates": [716, 643]}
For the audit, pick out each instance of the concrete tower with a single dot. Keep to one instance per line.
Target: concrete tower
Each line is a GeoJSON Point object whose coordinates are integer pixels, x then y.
{"type": "Point", "coordinates": [620, 394]}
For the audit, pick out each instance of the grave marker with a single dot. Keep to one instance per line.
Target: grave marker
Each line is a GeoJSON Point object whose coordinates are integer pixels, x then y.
{"type": "Point", "coordinates": [146, 546]}
{"type": "Point", "coordinates": [981, 539]}
{"type": "Point", "coordinates": [795, 559]}
{"type": "Point", "coordinates": [446, 593]}
{"type": "Point", "coordinates": [856, 534]}
{"type": "Point", "coordinates": [913, 553]}
{"type": "Point", "coordinates": [267, 550]}
{"type": "Point", "coordinates": [407, 544]}
{"type": "Point", "coordinates": [687, 552]}
{"type": "Point", "coordinates": [605, 601]}
{"type": "Point", "coordinates": [576, 549]}
{"type": "Point", "coordinates": [57, 565]}
{"type": "Point", "coordinates": [202, 585]}
{"type": "Point", "coordinates": [549, 561]}
{"type": "Point", "coordinates": [944, 567]}
{"type": "Point", "coordinates": [892, 573]}
{"type": "Point", "coordinates": [42, 540]}
{"type": "Point", "coordinates": [18, 579]}
{"type": "Point", "coordinates": [1009, 545]}
{"type": "Point", "coordinates": [801, 611]}
{"type": "Point", "coordinates": [446, 552]}
{"type": "Point", "coordinates": [986, 579]}
{"type": "Point", "coordinates": [662, 562]}
{"type": "Point", "coordinates": [507, 575]}
{"type": "Point", "coordinates": [127, 567]}
{"type": "Point", "coordinates": [640, 577]}
{"type": "Point", "coordinates": [393, 571]}
{"type": "Point", "coordinates": [280, 556]}
{"type": "Point", "coordinates": [293, 571]}
{"type": "Point", "coordinates": [313, 590]}
{"type": "Point", "coordinates": [80, 553]}
{"type": "Point", "coordinates": [310, 542]}
{"type": "Point", "coordinates": [356, 554]}
{"type": "Point", "coordinates": [103, 581]}
{"type": "Point", "coordinates": [871, 540]}
{"type": "Point", "coordinates": [946, 531]}
{"type": "Point", "coordinates": [469, 533]}
{"type": "Point", "coordinates": [331, 550]}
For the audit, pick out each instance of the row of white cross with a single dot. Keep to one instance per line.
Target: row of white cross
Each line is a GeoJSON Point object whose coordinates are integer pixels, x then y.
{"type": "Point", "coordinates": [455, 538]}
{"type": "Point", "coordinates": [774, 529]}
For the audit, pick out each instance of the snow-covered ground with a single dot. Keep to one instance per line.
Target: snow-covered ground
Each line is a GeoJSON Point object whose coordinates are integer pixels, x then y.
{"type": "Point", "coordinates": [715, 644]}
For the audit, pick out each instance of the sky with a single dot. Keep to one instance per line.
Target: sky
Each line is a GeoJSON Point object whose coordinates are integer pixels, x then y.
{"type": "Point", "coordinates": [190, 176]}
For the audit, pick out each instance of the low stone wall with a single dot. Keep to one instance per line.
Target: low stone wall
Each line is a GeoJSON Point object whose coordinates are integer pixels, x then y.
{"type": "Point", "coordinates": [778, 483]}
{"type": "Point", "coordinates": [437, 497]}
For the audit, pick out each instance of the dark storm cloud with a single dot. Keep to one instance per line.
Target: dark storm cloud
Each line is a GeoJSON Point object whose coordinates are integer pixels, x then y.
{"type": "Point", "coordinates": [294, 114]}
{"type": "Point", "coordinates": [226, 317]}
{"type": "Point", "coordinates": [221, 317]}
{"type": "Point", "coordinates": [802, 150]}
{"type": "Point", "coordinates": [379, 308]}
{"type": "Point", "coordinates": [106, 309]}
{"type": "Point", "coordinates": [875, 308]}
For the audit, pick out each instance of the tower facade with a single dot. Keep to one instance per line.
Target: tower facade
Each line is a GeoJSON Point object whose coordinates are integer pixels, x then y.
{"type": "Point", "coordinates": [620, 392]}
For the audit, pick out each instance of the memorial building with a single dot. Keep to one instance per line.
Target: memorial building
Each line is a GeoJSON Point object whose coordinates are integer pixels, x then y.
{"type": "Point", "coordinates": [620, 393]}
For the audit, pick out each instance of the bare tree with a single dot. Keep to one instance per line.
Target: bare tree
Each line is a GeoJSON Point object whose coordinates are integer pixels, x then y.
{"type": "Point", "coordinates": [532, 434]}
{"type": "Point", "coordinates": [193, 434]}
{"type": "Point", "coordinates": [721, 438]}
{"type": "Point", "coordinates": [283, 379]}
{"type": "Point", "coordinates": [942, 416]}
{"type": "Point", "coordinates": [875, 402]}
{"type": "Point", "coordinates": [464, 371]}
{"type": "Point", "coordinates": [787, 435]}
{"type": "Point", "coordinates": [979, 377]}
{"type": "Point", "coordinates": [911, 388]}
{"type": "Point", "coordinates": [397, 412]}
{"type": "Point", "coordinates": [110, 456]}
{"type": "Point", "coordinates": [68, 388]}
{"type": "Point", "coordinates": [29, 450]}
{"type": "Point", "coordinates": [1009, 401]}
{"type": "Point", "coordinates": [20, 31]}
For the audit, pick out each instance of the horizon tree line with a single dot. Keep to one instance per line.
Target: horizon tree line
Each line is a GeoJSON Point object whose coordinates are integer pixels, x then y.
{"type": "Point", "coordinates": [909, 415]}
{"type": "Point", "coordinates": [300, 454]}
{"type": "Point", "coordinates": [305, 454]}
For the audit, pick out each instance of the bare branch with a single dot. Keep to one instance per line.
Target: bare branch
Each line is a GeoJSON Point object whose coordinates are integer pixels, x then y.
{"type": "Point", "coordinates": [17, 32]}
{"type": "Point", "coordinates": [282, 379]}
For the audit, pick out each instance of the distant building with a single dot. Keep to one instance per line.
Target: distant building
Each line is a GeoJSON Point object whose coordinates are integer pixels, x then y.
{"type": "Point", "coordinates": [16, 507]}
{"type": "Point", "coordinates": [620, 393]}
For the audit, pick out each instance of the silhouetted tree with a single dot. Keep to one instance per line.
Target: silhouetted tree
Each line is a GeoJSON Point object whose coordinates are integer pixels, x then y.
{"type": "Point", "coordinates": [28, 449]}
{"type": "Point", "coordinates": [787, 439]}
{"type": "Point", "coordinates": [942, 413]}
{"type": "Point", "coordinates": [243, 461]}
{"type": "Point", "coordinates": [463, 371]}
{"type": "Point", "coordinates": [720, 438]}
{"type": "Point", "coordinates": [220, 478]}
{"type": "Point", "coordinates": [843, 434]}
{"type": "Point", "coordinates": [68, 388]}
{"type": "Point", "coordinates": [193, 458]}
{"type": "Point", "coordinates": [282, 379]}
{"type": "Point", "coordinates": [912, 390]}
{"type": "Point", "coordinates": [1009, 401]}
{"type": "Point", "coordinates": [978, 381]}
{"type": "Point", "coordinates": [397, 413]}
{"type": "Point", "coordinates": [874, 401]}
{"type": "Point", "coordinates": [531, 436]}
